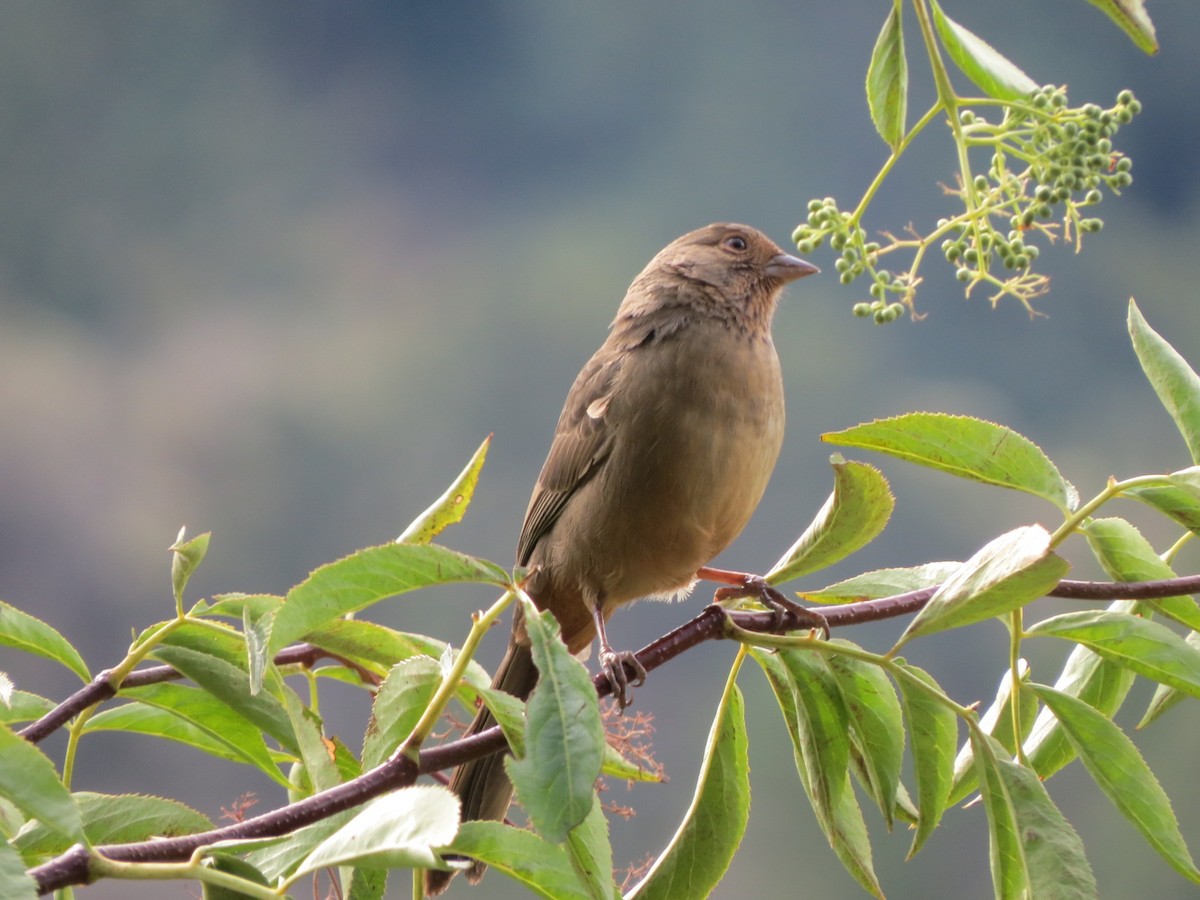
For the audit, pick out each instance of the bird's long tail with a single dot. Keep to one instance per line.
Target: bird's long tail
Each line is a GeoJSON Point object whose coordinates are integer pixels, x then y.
{"type": "Point", "coordinates": [482, 784]}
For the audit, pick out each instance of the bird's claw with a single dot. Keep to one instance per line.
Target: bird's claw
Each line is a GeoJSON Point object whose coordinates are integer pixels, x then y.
{"type": "Point", "coordinates": [613, 663]}
{"type": "Point", "coordinates": [757, 587]}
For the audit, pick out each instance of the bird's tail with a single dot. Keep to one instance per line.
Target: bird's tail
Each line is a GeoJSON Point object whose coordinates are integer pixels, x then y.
{"type": "Point", "coordinates": [482, 784]}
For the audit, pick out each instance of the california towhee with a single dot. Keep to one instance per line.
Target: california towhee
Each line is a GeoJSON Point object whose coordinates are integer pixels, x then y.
{"type": "Point", "coordinates": [662, 451]}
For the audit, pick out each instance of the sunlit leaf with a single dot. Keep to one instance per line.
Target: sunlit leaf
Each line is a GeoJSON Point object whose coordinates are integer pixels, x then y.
{"type": "Point", "coordinates": [451, 506]}
{"type": "Point", "coordinates": [992, 72]}
{"type": "Point", "coordinates": [966, 447]}
{"type": "Point", "coordinates": [887, 80]}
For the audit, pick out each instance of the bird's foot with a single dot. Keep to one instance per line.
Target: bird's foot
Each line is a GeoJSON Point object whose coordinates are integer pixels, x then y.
{"type": "Point", "coordinates": [614, 663]}
{"type": "Point", "coordinates": [756, 586]}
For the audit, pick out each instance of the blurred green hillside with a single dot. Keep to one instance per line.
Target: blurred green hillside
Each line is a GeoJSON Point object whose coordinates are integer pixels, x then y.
{"type": "Point", "coordinates": [275, 270]}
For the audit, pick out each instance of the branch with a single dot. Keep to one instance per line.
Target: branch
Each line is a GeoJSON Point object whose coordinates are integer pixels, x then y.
{"type": "Point", "coordinates": [72, 867]}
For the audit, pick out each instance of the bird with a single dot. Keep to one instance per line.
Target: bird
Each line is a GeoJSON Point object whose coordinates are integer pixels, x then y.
{"type": "Point", "coordinates": [662, 451]}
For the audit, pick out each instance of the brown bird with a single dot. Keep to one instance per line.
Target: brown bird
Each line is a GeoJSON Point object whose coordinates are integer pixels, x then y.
{"type": "Point", "coordinates": [662, 451]}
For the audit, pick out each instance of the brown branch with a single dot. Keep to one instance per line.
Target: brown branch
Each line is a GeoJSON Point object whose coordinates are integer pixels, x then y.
{"type": "Point", "coordinates": [102, 688]}
{"type": "Point", "coordinates": [72, 867]}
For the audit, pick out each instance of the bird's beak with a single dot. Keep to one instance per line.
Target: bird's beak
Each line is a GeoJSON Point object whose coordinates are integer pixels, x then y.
{"type": "Point", "coordinates": [789, 268]}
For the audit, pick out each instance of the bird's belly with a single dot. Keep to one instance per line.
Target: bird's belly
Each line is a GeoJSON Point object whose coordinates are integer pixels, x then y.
{"type": "Point", "coordinates": [686, 476]}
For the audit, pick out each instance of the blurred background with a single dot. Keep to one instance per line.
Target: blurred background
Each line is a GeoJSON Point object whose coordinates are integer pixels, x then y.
{"type": "Point", "coordinates": [275, 270]}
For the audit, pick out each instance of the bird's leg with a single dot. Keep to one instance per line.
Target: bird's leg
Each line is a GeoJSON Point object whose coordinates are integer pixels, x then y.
{"type": "Point", "coordinates": [613, 663]}
{"type": "Point", "coordinates": [743, 584]}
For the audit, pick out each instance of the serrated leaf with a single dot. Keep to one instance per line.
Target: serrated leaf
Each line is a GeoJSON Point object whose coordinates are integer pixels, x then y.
{"type": "Point", "coordinates": [189, 716]}
{"type": "Point", "coordinates": [1175, 382]}
{"type": "Point", "coordinates": [841, 820]}
{"type": "Point", "coordinates": [185, 557]}
{"type": "Point", "coordinates": [371, 575]}
{"type": "Point", "coordinates": [564, 735]}
{"type": "Point", "coordinates": [525, 857]}
{"type": "Point", "coordinates": [400, 829]}
{"type": "Point", "coordinates": [997, 723]}
{"type": "Point", "coordinates": [887, 80]}
{"type": "Point", "coordinates": [995, 74]}
{"type": "Point", "coordinates": [876, 726]}
{"type": "Point", "coordinates": [854, 514]}
{"type": "Point", "coordinates": [1127, 556]}
{"type": "Point", "coordinates": [1006, 856]}
{"type": "Point", "coordinates": [966, 447]}
{"type": "Point", "coordinates": [1004, 575]}
{"type": "Point", "coordinates": [399, 703]}
{"type": "Point", "coordinates": [590, 852]}
{"type": "Point", "coordinates": [117, 819]}
{"type": "Point", "coordinates": [317, 753]}
{"type": "Point", "coordinates": [24, 632]}
{"type": "Point", "coordinates": [1053, 850]}
{"type": "Point", "coordinates": [231, 685]}
{"type": "Point", "coordinates": [1133, 19]}
{"type": "Point", "coordinates": [22, 706]}
{"type": "Point", "coordinates": [1178, 498]}
{"type": "Point", "coordinates": [1093, 679]}
{"type": "Point", "coordinates": [933, 730]}
{"type": "Point", "coordinates": [1118, 768]}
{"type": "Point", "coordinates": [712, 828]}
{"type": "Point", "coordinates": [1165, 697]}
{"type": "Point", "coordinates": [883, 583]}
{"type": "Point", "coordinates": [378, 648]}
{"type": "Point", "coordinates": [1145, 647]}
{"type": "Point", "coordinates": [451, 506]}
{"type": "Point", "coordinates": [29, 780]}
{"type": "Point", "coordinates": [15, 884]}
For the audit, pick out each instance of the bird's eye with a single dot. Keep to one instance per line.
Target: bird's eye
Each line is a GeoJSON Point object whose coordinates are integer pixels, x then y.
{"type": "Point", "coordinates": [735, 242]}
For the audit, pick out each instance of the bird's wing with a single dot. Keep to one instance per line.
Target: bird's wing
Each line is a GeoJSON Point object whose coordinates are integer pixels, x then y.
{"type": "Point", "coordinates": [582, 442]}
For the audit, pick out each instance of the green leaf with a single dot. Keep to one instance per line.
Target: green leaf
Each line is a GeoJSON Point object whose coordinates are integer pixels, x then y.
{"type": "Point", "coordinates": [1146, 647]}
{"type": "Point", "coordinates": [378, 648]}
{"type": "Point", "coordinates": [371, 575]}
{"type": "Point", "coordinates": [117, 819]}
{"type": "Point", "coordinates": [231, 865]}
{"type": "Point", "coordinates": [702, 848]}
{"type": "Point", "coordinates": [966, 447]}
{"type": "Point", "coordinates": [933, 729]}
{"type": "Point", "coordinates": [315, 752]}
{"type": "Point", "coordinates": [822, 756]}
{"type": "Point", "coordinates": [1116, 766]}
{"type": "Point", "coordinates": [185, 557]}
{"type": "Point", "coordinates": [1004, 575]}
{"type": "Point", "coordinates": [854, 514]}
{"type": "Point", "coordinates": [1127, 556]}
{"type": "Point", "coordinates": [996, 722]}
{"type": "Point", "coordinates": [1175, 382]}
{"type": "Point", "coordinates": [887, 80]}
{"type": "Point", "coordinates": [189, 716]}
{"type": "Point", "coordinates": [876, 726]}
{"type": "Point", "coordinates": [564, 737]}
{"type": "Point", "coordinates": [1178, 497]}
{"type": "Point", "coordinates": [1006, 855]}
{"type": "Point", "coordinates": [451, 506]}
{"type": "Point", "coordinates": [397, 830]}
{"type": "Point", "coordinates": [993, 73]}
{"type": "Point", "coordinates": [15, 884]}
{"type": "Point", "coordinates": [1053, 850]}
{"type": "Point", "coordinates": [20, 630]}
{"type": "Point", "coordinates": [231, 685]}
{"type": "Point", "coordinates": [883, 583]}
{"type": "Point", "coordinates": [399, 703]}
{"type": "Point", "coordinates": [257, 632]}
{"type": "Point", "coordinates": [29, 780]}
{"type": "Point", "coordinates": [1133, 19]}
{"type": "Point", "coordinates": [22, 706]}
{"type": "Point", "coordinates": [525, 857]}
{"type": "Point", "coordinates": [1165, 697]}
{"type": "Point", "coordinates": [590, 852]}
{"type": "Point", "coordinates": [617, 766]}
{"type": "Point", "coordinates": [1089, 677]}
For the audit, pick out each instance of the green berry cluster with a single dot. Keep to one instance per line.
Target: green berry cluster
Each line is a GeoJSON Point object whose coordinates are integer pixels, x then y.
{"type": "Point", "coordinates": [1047, 161]}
